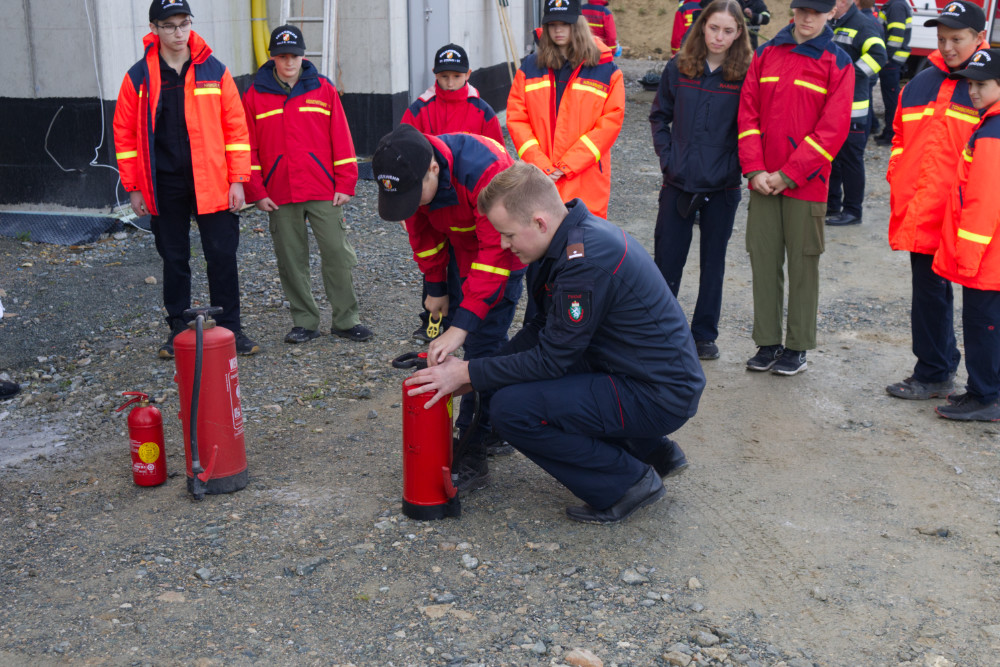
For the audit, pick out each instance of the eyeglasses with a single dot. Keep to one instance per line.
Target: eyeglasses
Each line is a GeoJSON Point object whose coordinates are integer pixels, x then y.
{"type": "Point", "coordinates": [171, 28]}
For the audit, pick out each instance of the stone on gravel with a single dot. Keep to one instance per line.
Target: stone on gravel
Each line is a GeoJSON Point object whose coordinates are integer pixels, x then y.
{"type": "Point", "coordinates": [932, 660]}
{"type": "Point", "coordinates": [203, 573]}
{"type": "Point", "coordinates": [306, 568]}
{"type": "Point", "coordinates": [632, 577]}
{"type": "Point", "coordinates": [676, 658]}
{"type": "Point", "coordinates": [991, 631]}
{"type": "Point", "coordinates": [819, 593]}
{"type": "Point", "coordinates": [539, 648]}
{"type": "Point", "coordinates": [469, 562]}
{"type": "Point", "coordinates": [718, 654]}
{"type": "Point", "coordinates": [705, 638]}
{"type": "Point", "coordinates": [694, 584]}
{"type": "Point", "coordinates": [372, 414]}
{"type": "Point", "coordinates": [171, 596]}
{"type": "Point", "coordinates": [151, 280]}
{"type": "Point", "coordinates": [581, 657]}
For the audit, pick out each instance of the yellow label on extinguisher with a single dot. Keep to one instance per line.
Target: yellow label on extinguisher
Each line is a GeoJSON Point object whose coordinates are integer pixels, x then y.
{"type": "Point", "coordinates": [149, 452]}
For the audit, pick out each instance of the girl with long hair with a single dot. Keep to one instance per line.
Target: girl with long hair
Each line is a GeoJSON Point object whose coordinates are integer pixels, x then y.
{"type": "Point", "coordinates": [566, 106]}
{"type": "Point", "coordinates": [693, 120]}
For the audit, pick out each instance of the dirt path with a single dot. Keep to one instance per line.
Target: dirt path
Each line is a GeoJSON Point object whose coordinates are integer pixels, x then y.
{"type": "Point", "coordinates": [800, 518]}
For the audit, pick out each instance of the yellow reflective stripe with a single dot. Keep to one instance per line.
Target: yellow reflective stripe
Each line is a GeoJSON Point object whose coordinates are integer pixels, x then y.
{"type": "Point", "coordinates": [871, 41]}
{"type": "Point", "coordinates": [255, 167]}
{"type": "Point", "coordinates": [863, 104]}
{"type": "Point", "coordinates": [746, 133]}
{"type": "Point", "coordinates": [274, 112]}
{"type": "Point", "coordinates": [208, 91]}
{"type": "Point", "coordinates": [909, 20]}
{"type": "Point", "coordinates": [968, 118]}
{"type": "Point", "coordinates": [535, 86]}
{"type": "Point", "coordinates": [851, 32]}
{"type": "Point", "coordinates": [463, 229]}
{"type": "Point", "coordinates": [237, 147]}
{"type": "Point", "coordinates": [896, 24]}
{"type": "Point", "coordinates": [812, 142]}
{"type": "Point", "coordinates": [873, 64]}
{"type": "Point", "coordinates": [895, 39]}
{"type": "Point", "coordinates": [928, 111]}
{"type": "Point", "coordinates": [967, 155]}
{"type": "Point", "coordinates": [347, 160]}
{"type": "Point", "coordinates": [124, 155]}
{"type": "Point", "coordinates": [810, 86]}
{"type": "Point", "coordinates": [490, 269]}
{"type": "Point", "coordinates": [580, 86]}
{"type": "Point", "coordinates": [595, 25]}
{"type": "Point", "coordinates": [895, 152]}
{"type": "Point", "coordinates": [526, 145]}
{"type": "Point", "coordinates": [593, 149]}
{"type": "Point", "coordinates": [975, 238]}
{"type": "Point", "coordinates": [768, 79]}
{"type": "Point", "coordinates": [315, 109]}
{"type": "Point", "coordinates": [432, 251]}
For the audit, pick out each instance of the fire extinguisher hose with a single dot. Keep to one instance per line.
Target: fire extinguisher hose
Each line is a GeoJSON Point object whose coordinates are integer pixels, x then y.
{"type": "Point", "coordinates": [198, 486]}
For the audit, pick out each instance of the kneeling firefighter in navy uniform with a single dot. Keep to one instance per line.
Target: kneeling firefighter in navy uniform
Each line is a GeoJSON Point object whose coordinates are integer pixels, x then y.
{"type": "Point", "coordinates": [592, 386]}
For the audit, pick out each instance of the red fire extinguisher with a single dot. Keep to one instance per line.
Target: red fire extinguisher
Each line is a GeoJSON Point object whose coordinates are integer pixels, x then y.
{"type": "Point", "coordinates": [145, 435]}
{"type": "Point", "coordinates": [212, 418]}
{"type": "Point", "coordinates": [428, 490]}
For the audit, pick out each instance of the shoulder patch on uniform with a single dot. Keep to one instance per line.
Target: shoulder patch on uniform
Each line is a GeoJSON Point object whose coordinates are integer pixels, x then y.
{"type": "Point", "coordinates": [574, 247]}
{"type": "Point", "coordinates": [575, 307]}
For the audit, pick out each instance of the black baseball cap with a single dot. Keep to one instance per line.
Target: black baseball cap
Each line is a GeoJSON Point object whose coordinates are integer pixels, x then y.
{"type": "Point", "coordinates": [451, 58]}
{"type": "Point", "coordinates": [960, 14]}
{"type": "Point", "coordinates": [287, 39]}
{"type": "Point", "coordinates": [161, 9]}
{"type": "Point", "coordinates": [821, 6]}
{"type": "Point", "coordinates": [983, 66]}
{"type": "Point", "coordinates": [567, 11]}
{"type": "Point", "coordinates": [400, 163]}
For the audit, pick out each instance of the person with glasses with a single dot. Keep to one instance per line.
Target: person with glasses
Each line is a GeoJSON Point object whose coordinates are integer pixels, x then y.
{"type": "Point", "coordinates": [170, 172]}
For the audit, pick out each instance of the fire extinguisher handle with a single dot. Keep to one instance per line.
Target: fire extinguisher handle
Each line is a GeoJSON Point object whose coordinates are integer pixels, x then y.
{"type": "Point", "coordinates": [207, 311]}
{"type": "Point", "coordinates": [410, 360]}
{"type": "Point", "coordinates": [138, 397]}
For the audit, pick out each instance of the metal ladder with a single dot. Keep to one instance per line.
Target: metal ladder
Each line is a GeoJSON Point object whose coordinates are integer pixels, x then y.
{"type": "Point", "coordinates": [328, 51]}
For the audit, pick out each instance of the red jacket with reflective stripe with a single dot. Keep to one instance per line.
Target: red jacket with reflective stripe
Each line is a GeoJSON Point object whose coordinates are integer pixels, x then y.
{"type": "Point", "coordinates": [687, 14]}
{"type": "Point", "coordinates": [301, 146]}
{"type": "Point", "coordinates": [934, 119]}
{"type": "Point", "coordinates": [440, 111]}
{"type": "Point", "coordinates": [795, 111]}
{"type": "Point", "coordinates": [468, 163]}
{"type": "Point", "coordinates": [601, 22]}
{"type": "Point", "coordinates": [220, 145]}
{"type": "Point", "coordinates": [969, 253]}
{"type": "Point", "coordinates": [577, 138]}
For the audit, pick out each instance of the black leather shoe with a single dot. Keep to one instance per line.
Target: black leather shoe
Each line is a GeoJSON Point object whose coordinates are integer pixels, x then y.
{"type": "Point", "coordinates": [669, 460]}
{"type": "Point", "coordinates": [358, 333]}
{"type": "Point", "coordinates": [646, 491]}
{"type": "Point", "coordinates": [842, 219]}
{"type": "Point", "coordinates": [8, 390]}
{"type": "Point", "coordinates": [883, 140]}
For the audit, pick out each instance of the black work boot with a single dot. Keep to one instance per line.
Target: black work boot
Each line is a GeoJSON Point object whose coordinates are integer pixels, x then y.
{"type": "Point", "coordinates": [470, 471]}
{"type": "Point", "coordinates": [176, 325]}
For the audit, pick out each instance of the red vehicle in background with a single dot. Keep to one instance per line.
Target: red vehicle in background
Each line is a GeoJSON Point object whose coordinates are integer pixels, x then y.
{"type": "Point", "coordinates": [924, 39]}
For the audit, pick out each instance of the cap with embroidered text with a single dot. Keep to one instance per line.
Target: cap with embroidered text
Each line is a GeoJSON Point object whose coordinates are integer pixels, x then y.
{"type": "Point", "coordinates": [451, 58]}
{"type": "Point", "coordinates": [567, 11]}
{"type": "Point", "coordinates": [161, 9]}
{"type": "Point", "coordinates": [821, 6]}
{"type": "Point", "coordinates": [960, 14]}
{"type": "Point", "coordinates": [399, 164]}
{"type": "Point", "coordinates": [287, 39]}
{"type": "Point", "coordinates": [983, 66]}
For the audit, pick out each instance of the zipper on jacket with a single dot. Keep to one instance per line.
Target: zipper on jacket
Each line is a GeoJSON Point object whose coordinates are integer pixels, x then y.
{"type": "Point", "coordinates": [313, 156]}
{"type": "Point", "coordinates": [271, 173]}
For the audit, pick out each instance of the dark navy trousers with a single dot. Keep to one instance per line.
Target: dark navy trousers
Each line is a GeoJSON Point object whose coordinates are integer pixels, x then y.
{"type": "Point", "coordinates": [888, 79]}
{"type": "Point", "coordinates": [672, 240]}
{"type": "Point", "coordinates": [847, 178]}
{"type": "Point", "coordinates": [932, 326]}
{"type": "Point", "coordinates": [981, 322]}
{"type": "Point", "coordinates": [486, 341]}
{"type": "Point", "coordinates": [574, 427]}
{"type": "Point", "coordinates": [220, 238]}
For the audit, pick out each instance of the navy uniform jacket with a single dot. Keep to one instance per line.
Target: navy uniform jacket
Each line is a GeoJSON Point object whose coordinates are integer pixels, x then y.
{"type": "Point", "coordinates": [861, 38]}
{"type": "Point", "coordinates": [603, 307]}
{"type": "Point", "coordinates": [694, 130]}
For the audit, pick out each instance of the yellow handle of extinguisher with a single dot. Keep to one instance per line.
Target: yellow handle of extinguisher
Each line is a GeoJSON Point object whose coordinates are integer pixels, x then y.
{"type": "Point", "coordinates": [434, 326]}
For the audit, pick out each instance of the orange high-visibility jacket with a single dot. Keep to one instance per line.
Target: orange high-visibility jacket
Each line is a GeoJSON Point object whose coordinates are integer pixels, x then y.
{"type": "Point", "coordinates": [934, 119]}
{"type": "Point", "coordinates": [217, 128]}
{"type": "Point", "coordinates": [969, 253]}
{"type": "Point", "coordinates": [576, 138]}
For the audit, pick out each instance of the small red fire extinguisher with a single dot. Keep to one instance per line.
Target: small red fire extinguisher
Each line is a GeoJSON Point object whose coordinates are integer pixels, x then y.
{"type": "Point", "coordinates": [145, 434]}
{"type": "Point", "coordinates": [428, 489]}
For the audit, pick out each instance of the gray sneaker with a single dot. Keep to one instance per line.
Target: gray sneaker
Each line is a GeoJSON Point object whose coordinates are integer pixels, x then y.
{"type": "Point", "coordinates": [766, 357]}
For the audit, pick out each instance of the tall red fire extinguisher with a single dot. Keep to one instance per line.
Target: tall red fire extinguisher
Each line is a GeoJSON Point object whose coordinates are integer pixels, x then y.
{"type": "Point", "coordinates": [145, 435]}
{"type": "Point", "coordinates": [211, 414]}
{"type": "Point", "coordinates": [428, 490]}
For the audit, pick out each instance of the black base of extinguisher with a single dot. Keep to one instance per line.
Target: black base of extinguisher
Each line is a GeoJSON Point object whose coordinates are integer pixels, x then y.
{"type": "Point", "coordinates": [222, 484]}
{"type": "Point", "coordinates": [452, 508]}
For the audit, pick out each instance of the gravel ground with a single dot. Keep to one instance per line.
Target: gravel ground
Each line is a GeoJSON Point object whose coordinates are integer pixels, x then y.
{"type": "Point", "coordinates": [315, 564]}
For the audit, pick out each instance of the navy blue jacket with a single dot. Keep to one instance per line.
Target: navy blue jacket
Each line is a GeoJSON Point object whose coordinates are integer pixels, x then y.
{"type": "Point", "coordinates": [603, 307]}
{"type": "Point", "coordinates": [694, 130]}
